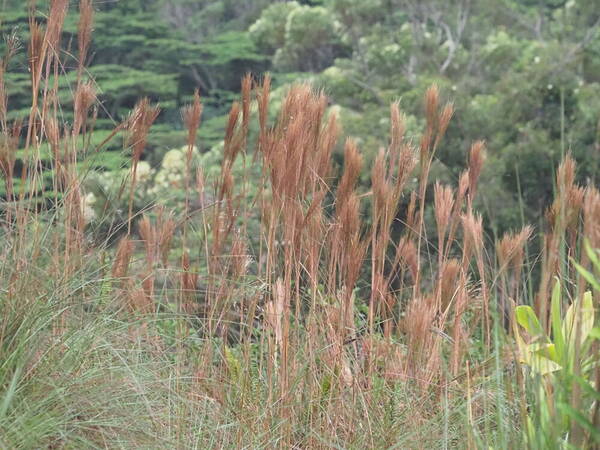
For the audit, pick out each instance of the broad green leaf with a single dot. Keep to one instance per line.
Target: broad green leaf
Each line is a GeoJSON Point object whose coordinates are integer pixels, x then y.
{"type": "Point", "coordinates": [520, 344]}
{"type": "Point", "coordinates": [590, 362]}
{"type": "Point", "coordinates": [233, 364]}
{"type": "Point", "coordinates": [595, 333]}
{"type": "Point", "coordinates": [593, 255]}
{"type": "Point", "coordinates": [541, 364]}
{"type": "Point", "coordinates": [547, 351]}
{"type": "Point", "coordinates": [582, 314]}
{"type": "Point", "coordinates": [528, 320]}
{"type": "Point", "coordinates": [581, 420]}
{"type": "Point", "coordinates": [556, 316]}
{"type": "Point", "coordinates": [587, 387]}
{"type": "Point", "coordinates": [531, 431]}
{"type": "Point", "coordinates": [588, 276]}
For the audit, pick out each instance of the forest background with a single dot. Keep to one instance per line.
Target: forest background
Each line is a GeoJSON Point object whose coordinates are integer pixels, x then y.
{"type": "Point", "coordinates": [523, 75]}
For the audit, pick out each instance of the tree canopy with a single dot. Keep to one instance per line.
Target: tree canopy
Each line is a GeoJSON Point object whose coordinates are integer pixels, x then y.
{"type": "Point", "coordinates": [524, 75]}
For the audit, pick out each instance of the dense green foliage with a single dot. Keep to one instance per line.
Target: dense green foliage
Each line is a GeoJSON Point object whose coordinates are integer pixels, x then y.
{"type": "Point", "coordinates": [524, 75]}
{"type": "Point", "coordinates": [141, 49]}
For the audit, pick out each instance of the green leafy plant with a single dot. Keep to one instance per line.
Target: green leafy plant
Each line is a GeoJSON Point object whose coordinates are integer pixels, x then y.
{"type": "Point", "coordinates": [545, 353]}
{"type": "Point", "coordinates": [562, 363]}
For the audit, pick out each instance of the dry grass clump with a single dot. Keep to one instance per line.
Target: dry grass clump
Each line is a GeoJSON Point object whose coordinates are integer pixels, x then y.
{"type": "Point", "coordinates": [335, 325]}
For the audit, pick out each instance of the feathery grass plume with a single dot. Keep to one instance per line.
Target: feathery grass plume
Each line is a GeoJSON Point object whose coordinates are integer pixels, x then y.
{"type": "Point", "coordinates": [189, 285]}
{"type": "Point", "coordinates": [9, 145]}
{"type": "Point", "coordinates": [36, 57]}
{"type": "Point", "coordinates": [557, 216]}
{"type": "Point", "coordinates": [463, 187]}
{"type": "Point", "coordinates": [590, 229]}
{"type": "Point", "coordinates": [473, 246]}
{"type": "Point", "coordinates": [411, 213]}
{"type": "Point", "coordinates": [407, 162]}
{"type": "Point", "coordinates": [122, 260]}
{"type": "Point", "coordinates": [461, 195]}
{"type": "Point", "coordinates": [408, 256]}
{"type": "Point", "coordinates": [223, 221]}
{"type": "Point", "coordinates": [473, 236]}
{"type": "Point", "coordinates": [337, 323]}
{"type": "Point", "coordinates": [274, 312]}
{"type": "Point", "coordinates": [12, 45]}
{"type": "Point", "coordinates": [382, 195]}
{"type": "Point", "coordinates": [50, 55]}
{"type": "Point", "coordinates": [60, 161]}
{"type": "Point", "coordinates": [148, 235]}
{"type": "Point", "coordinates": [348, 248]}
{"type": "Point", "coordinates": [85, 96]}
{"type": "Point", "coordinates": [40, 41]}
{"type": "Point", "coordinates": [327, 140]}
{"type": "Point", "coordinates": [563, 214]}
{"type": "Point", "coordinates": [278, 316]}
{"type": "Point", "coordinates": [54, 25]}
{"type": "Point", "coordinates": [246, 99]}
{"type": "Point", "coordinates": [575, 199]}
{"type": "Point", "coordinates": [224, 210]}
{"type": "Point", "coordinates": [591, 216]}
{"type": "Point", "coordinates": [138, 127]}
{"type": "Point", "coordinates": [140, 300]}
{"type": "Point", "coordinates": [460, 298]}
{"type": "Point", "coordinates": [444, 120]}
{"type": "Point", "coordinates": [233, 142]}
{"type": "Point", "coordinates": [443, 206]}
{"type": "Point", "coordinates": [351, 227]}
{"type": "Point", "coordinates": [191, 115]}
{"type": "Point", "coordinates": [432, 96]}
{"type": "Point", "coordinates": [565, 175]}
{"type": "Point", "coordinates": [299, 127]}
{"type": "Point", "coordinates": [292, 159]}
{"type": "Point", "coordinates": [157, 237]}
{"type": "Point", "coordinates": [387, 186]}
{"type": "Point", "coordinates": [436, 125]}
{"type": "Point", "coordinates": [35, 54]}
{"type": "Point", "coordinates": [397, 127]}
{"type": "Point", "coordinates": [239, 256]}
{"type": "Point", "coordinates": [315, 229]}
{"type": "Point", "coordinates": [449, 273]}
{"type": "Point", "coordinates": [418, 323]}
{"type": "Point", "coordinates": [140, 121]}
{"type": "Point", "coordinates": [53, 137]}
{"type": "Point", "coordinates": [353, 162]}
{"type": "Point", "coordinates": [84, 31]}
{"type": "Point", "coordinates": [262, 97]}
{"type": "Point", "coordinates": [510, 251]}
{"type": "Point", "coordinates": [402, 155]}
{"type": "Point", "coordinates": [476, 160]}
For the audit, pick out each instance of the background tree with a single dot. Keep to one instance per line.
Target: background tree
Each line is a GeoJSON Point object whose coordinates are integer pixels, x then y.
{"type": "Point", "coordinates": [524, 75]}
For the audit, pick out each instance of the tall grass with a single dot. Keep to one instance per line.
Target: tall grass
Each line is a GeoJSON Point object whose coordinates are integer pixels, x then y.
{"type": "Point", "coordinates": [287, 306]}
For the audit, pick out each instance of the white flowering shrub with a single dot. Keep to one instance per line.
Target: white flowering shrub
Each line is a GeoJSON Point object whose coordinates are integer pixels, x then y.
{"type": "Point", "coordinates": [168, 187]}
{"type": "Point", "coordinates": [107, 193]}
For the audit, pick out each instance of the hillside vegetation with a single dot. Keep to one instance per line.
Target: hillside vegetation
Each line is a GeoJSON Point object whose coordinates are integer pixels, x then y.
{"type": "Point", "coordinates": [392, 240]}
